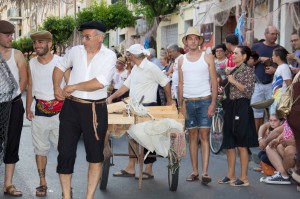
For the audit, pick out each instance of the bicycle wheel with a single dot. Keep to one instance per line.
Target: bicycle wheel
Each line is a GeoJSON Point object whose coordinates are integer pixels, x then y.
{"type": "Point", "coordinates": [105, 172]}
{"type": "Point", "coordinates": [173, 171]}
{"type": "Point", "coordinates": [216, 134]}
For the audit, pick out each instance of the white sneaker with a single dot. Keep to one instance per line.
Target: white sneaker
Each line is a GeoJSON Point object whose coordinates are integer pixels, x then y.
{"type": "Point", "coordinates": [277, 179]}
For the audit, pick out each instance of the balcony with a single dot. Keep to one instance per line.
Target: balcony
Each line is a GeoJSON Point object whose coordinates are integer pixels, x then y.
{"type": "Point", "coordinates": [13, 14]}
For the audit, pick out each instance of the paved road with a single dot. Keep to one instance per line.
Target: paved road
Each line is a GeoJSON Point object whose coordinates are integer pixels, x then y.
{"type": "Point", "coordinates": [26, 178]}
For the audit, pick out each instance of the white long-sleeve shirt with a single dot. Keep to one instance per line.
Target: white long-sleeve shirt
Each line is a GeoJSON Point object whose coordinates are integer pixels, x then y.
{"type": "Point", "coordinates": [101, 67]}
{"type": "Point", "coordinates": [144, 80]}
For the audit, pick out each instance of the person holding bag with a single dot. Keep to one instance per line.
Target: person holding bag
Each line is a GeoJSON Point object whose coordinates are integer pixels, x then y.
{"type": "Point", "coordinates": [239, 126]}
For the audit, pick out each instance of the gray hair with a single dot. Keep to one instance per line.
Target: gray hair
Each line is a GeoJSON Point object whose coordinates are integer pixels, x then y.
{"type": "Point", "coordinates": [174, 47]}
{"type": "Point", "coordinates": [98, 32]}
{"type": "Point", "coordinates": [139, 56]}
{"type": "Point", "coordinates": [152, 52]}
{"type": "Point", "coordinates": [267, 30]}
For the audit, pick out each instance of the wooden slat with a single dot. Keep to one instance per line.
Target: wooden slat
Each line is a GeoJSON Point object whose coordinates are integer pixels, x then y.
{"type": "Point", "coordinates": [156, 111]}
{"type": "Point", "coordinates": [116, 107]}
{"type": "Point", "coordinates": [143, 119]}
{"type": "Point", "coordinates": [119, 119]}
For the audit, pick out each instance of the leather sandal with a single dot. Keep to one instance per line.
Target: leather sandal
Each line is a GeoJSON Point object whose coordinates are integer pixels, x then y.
{"type": "Point", "coordinates": [226, 180]}
{"type": "Point", "coordinates": [192, 177]}
{"type": "Point", "coordinates": [41, 191]}
{"type": "Point", "coordinates": [12, 191]}
{"type": "Point", "coordinates": [205, 179]}
{"type": "Point", "coordinates": [239, 183]}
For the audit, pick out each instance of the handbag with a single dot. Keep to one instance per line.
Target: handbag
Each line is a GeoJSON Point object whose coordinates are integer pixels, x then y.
{"type": "Point", "coordinates": [286, 102]}
{"type": "Point", "coordinates": [226, 89]}
{"type": "Point", "coordinates": [264, 103]}
{"type": "Point", "coordinates": [287, 99]}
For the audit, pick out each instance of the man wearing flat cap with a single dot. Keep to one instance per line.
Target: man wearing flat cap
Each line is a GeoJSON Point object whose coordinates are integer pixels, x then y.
{"type": "Point", "coordinates": [142, 83]}
{"type": "Point", "coordinates": [197, 94]}
{"type": "Point", "coordinates": [44, 119]}
{"type": "Point", "coordinates": [84, 110]}
{"type": "Point", "coordinates": [18, 67]}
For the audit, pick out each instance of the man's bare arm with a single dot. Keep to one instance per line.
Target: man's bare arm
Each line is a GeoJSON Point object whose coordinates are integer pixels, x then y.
{"type": "Point", "coordinates": [22, 66]}
{"type": "Point", "coordinates": [57, 77]}
{"type": "Point", "coordinates": [118, 93]}
{"type": "Point", "coordinates": [167, 89]}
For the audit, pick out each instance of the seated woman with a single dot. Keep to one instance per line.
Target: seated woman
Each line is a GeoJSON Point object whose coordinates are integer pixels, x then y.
{"type": "Point", "coordinates": [281, 151]}
{"type": "Point", "coordinates": [266, 133]}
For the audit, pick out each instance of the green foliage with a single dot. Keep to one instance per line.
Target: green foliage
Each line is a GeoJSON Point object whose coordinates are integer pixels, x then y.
{"type": "Point", "coordinates": [119, 16]}
{"type": "Point", "coordinates": [96, 12]}
{"type": "Point", "coordinates": [155, 8]}
{"type": "Point", "coordinates": [24, 44]}
{"type": "Point", "coordinates": [113, 16]}
{"type": "Point", "coordinates": [61, 29]}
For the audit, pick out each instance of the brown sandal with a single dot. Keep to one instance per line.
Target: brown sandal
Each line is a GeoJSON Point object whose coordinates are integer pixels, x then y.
{"type": "Point", "coordinates": [205, 179]}
{"type": "Point", "coordinates": [192, 177]}
{"type": "Point", "coordinates": [41, 191]}
{"type": "Point", "coordinates": [12, 191]}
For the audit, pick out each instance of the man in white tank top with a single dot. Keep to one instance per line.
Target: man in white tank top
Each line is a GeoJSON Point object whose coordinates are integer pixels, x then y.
{"type": "Point", "coordinates": [197, 93]}
{"type": "Point", "coordinates": [44, 119]}
{"type": "Point", "coordinates": [18, 66]}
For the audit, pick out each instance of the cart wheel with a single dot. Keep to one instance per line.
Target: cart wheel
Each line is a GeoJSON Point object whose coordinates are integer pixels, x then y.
{"type": "Point", "coordinates": [105, 172]}
{"type": "Point", "coordinates": [173, 171]}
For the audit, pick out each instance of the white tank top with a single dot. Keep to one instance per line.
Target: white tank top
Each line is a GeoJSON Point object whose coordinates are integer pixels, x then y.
{"type": "Point", "coordinates": [196, 79]}
{"type": "Point", "coordinates": [42, 85]}
{"type": "Point", "coordinates": [15, 71]}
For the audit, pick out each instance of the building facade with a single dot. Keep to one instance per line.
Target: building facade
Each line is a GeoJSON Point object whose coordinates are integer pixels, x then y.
{"type": "Point", "coordinates": [214, 19]}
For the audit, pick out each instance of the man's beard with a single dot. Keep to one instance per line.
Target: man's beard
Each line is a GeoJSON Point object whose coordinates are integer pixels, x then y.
{"type": "Point", "coordinates": [44, 52]}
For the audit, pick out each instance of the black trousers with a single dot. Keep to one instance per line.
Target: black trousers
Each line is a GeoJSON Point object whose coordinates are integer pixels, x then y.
{"type": "Point", "coordinates": [76, 118]}
{"type": "Point", "coordinates": [14, 131]}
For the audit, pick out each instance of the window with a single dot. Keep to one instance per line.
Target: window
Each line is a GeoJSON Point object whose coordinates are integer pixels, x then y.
{"type": "Point", "coordinates": [169, 35]}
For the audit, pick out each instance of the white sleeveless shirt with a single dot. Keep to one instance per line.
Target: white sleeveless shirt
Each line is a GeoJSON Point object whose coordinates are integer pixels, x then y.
{"type": "Point", "coordinates": [15, 71]}
{"type": "Point", "coordinates": [42, 85]}
{"type": "Point", "coordinates": [196, 78]}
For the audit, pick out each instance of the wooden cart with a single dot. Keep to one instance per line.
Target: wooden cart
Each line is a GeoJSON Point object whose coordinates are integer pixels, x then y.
{"type": "Point", "coordinates": [119, 122]}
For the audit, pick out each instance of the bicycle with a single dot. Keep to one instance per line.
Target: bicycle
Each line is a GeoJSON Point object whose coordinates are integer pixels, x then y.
{"type": "Point", "coordinates": [216, 131]}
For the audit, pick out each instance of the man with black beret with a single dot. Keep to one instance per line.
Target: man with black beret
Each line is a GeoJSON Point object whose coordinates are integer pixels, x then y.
{"type": "Point", "coordinates": [84, 110]}
{"type": "Point", "coordinates": [17, 64]}
{"type": "Point", "coordinates": [44, 119]}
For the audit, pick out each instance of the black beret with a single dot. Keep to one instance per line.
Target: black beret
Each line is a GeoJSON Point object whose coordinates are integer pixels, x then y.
{"type": "Point", "coordinates": [6, 27]}
{"type": "Point", "coordinates": [92, 25]}
{"type": "Point", "coordinates": [41, 35]}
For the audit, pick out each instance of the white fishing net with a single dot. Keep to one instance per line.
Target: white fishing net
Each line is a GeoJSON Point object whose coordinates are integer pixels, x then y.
{"type": "Point", "coordinates": [155, 135]}
{"type": "Point", "coordinates": [137, 107]}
